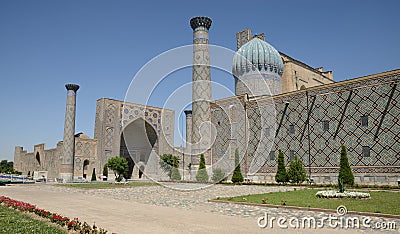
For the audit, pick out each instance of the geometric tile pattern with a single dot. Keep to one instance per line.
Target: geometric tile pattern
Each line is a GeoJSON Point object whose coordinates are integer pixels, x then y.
{"type": "Point", "coordinates": [69, 126]}
{"type": "Point", "coordinates": [112, 116]}
{"type": "Point", "coordinates": [229, 120]}
{"type": "Point", "coordinates": [201, 86]}
{"type": "Point", "coordinates": [343, 109]}
{"type": "Point", "coordinates": [299, 127]}
{"type": "Point", "coordinates": [151, 116]}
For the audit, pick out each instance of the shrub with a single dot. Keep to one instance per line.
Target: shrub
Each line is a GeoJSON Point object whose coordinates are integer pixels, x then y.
{"type": "Point", "coordinates": [341, 186]}
{"type": "Point", "coordinates": [202, 175]}
{"type": "Point", "coordinates": [345, 173]}
{"type": "Point", "coordinates": [105, 172]}
{"type": "Point", "coordinates": [297, 173]}
{"type": "Point", "coordinates": [218, 175]}
{"type": "Point", "coordinates": [237, 176]}
{"type": "Point", "coordinates": [175, 175]}
{"type": "Point", "coordinates": [168, 162]}
{"type": "Point", "coordinates": [281, 174]}
{"type": "Point", "coordinates": [93, 175]}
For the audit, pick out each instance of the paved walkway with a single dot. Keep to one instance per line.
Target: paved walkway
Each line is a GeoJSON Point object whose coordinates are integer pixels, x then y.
{"type": "Point", "coordinates": [158, 209]}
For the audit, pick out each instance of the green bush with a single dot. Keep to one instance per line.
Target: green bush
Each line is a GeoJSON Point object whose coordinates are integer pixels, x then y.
{"type": "Point", "coordinates": [105, 172]}
{"type": "Point", "coordinates": [296, 173]}
{"type": "Point", "coordinates": [218, 175]}
{"type": "Point", "coordinates": [237, 176]}
{"type": "Point", "coordinates": [202, 175]}
{"type": "Point", "coordinates": [8, 168]}
{"type": "Point", "coordinates": [341, 186]}
{"type": "Point", "coordinates": [119, 165]}
{"type": "Point", "coordinates": [168, 162]}
{"type": "Point", "coordinates": [93, 175]}
{"type": "Point", "coordinates": [281, 174]}
{"type": "Point", "coordinates": [175, 175]}
{"type": "Point", "coordinates": [345, 173]}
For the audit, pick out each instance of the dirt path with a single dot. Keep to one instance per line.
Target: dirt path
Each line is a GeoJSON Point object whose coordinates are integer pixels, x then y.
{"type": "Point", "coordinates": [119, 216]}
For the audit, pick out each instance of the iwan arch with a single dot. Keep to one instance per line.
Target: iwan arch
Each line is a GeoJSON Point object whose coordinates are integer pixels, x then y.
{"type": "Point", "coordinates": [141, 130]}
{"type": "Point", "coordinates": [314, 116]}
{"type": "Point", "coordinates": [135, 132]}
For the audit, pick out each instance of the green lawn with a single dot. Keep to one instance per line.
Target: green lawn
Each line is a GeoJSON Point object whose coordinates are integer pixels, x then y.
{"type": "Point", "coordinates": [108, 185]}
{"type": "Point", "coordinates": [381, 202]}
{"type": "Point", "coordinates": [12, 221]}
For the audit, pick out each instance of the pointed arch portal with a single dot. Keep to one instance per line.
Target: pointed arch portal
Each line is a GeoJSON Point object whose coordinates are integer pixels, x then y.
{"type": "Point", "coordinates": [137, 141]}
{"type": "Point", "coordinates": [38, 158]}
{"type": "Point", "coordinates": [85, 168]}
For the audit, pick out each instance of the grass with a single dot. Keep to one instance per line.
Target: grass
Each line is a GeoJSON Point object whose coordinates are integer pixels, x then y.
{"type": "Point", "coordinates": [107, 185]}
{"type": "Point", "coordinates": [12, 221]}
{"type": "Point", "coordinates": [380, 202]}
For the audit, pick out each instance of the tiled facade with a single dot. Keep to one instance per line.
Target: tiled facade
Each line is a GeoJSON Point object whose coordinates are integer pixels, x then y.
{"type": "Point", "coordinates": [112, 117]}
{"type": "Point", "coordinates": [50, 160]}
{"type": "Point", "coordinates": [201, 87]}
{"type": "Point", "coordinates": [360, 113]}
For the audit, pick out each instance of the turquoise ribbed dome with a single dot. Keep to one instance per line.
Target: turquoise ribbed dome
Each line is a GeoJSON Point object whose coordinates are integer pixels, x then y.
{"type": "Point", "coordinates": [257, 54]}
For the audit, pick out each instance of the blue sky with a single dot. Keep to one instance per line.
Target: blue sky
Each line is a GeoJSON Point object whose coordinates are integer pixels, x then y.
{"type": "Point", "coordinates": [102, 44]}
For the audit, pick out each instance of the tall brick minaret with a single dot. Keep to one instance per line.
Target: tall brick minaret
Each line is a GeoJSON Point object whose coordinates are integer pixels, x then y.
{"type": "Point", "coordinates": [188, 114]}
{"type": "Point", "coordinates": [201, 87]}
{"type": "Point", "coordinates": [67, 163]}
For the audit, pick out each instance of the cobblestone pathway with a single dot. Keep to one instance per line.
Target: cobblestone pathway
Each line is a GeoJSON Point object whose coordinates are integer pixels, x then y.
{"type": "Point", "coordinates": [198, 199]}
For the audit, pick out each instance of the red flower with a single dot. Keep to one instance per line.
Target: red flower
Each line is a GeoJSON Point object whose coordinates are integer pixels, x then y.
{"type": "Point", "coordinates": [55, 218]}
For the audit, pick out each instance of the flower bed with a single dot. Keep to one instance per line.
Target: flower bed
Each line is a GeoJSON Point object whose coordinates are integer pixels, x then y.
{"type": "Point", "coordinates": [345, 194]}
{"type": "Point", "coordinates": [72, 225]}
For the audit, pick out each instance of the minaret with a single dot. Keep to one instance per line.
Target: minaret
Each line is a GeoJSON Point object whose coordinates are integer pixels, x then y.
{"type": "Point", "coordinates": [67, 164]}
{"type": "Point", "coordinates": [201, 86]}
{"type": "Point", "coordinates": [188, 114]}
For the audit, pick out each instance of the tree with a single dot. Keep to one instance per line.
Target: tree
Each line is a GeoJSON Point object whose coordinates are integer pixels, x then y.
{"type": "Point", "coordinates": [202, 175]}
{"type": "Point", "coordinates": [93, 175]}
{"type": "Point", "coordinates": [8, 168]}
{"type": "Point", "coordinates": [281, 174]}
{"type": "Point", "coordinates": [105, 172]}
{"type": "Point", "coordinates": [218, 175]}
{"type": "Point", "coordinates": [119, 165]}
{"type": "Point", "coordinates": [297, 173]}
{"type": "Point", "coordinates": [237, 176]}
{"type": "Point", "coordinates": [175, 175]}
{"type": "Point", "coordinates": [168, 162]}
{"type": "Point", "coordinates": [4, 166]}
{"type": "Point", "coordinates": [345, 173]}
{"type": "Point", "coordinates": [341, 186]}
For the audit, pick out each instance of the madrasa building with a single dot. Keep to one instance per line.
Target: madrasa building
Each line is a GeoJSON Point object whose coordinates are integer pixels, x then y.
{"type": "Point", "coordinates": [279, 103]}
